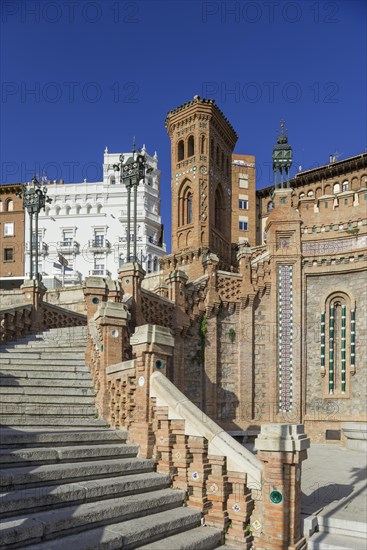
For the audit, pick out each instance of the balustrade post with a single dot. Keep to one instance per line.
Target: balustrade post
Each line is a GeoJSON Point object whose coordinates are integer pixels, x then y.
{"type": "Point", "coordinates": [282, 448]}
{"type": "Point", "coordinates": [111, 321]}
{"type": "Point", "coordinates": [152, 347]}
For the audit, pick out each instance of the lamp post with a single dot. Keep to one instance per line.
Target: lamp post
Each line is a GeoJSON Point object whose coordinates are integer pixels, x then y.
{"type": "Point", "coordinates": [131, 173]}
{"type": "Point", "coordinates": [34, 199]}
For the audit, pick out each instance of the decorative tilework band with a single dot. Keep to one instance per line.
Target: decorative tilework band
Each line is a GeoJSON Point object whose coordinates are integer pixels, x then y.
{"type": "Point", "coordinates": [331, 350]}
{"type": "Point", "coordinates": [285, 336]}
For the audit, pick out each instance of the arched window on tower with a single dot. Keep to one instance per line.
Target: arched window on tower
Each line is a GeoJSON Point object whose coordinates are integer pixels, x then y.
{"type": "Point", "coordinates": [219, 208]}
{"type": "Point", "coordinates": [217, 155]}
{"type": "Point", "coordinates": [212, 148]}
{"type": "Point", "coordinates": [180, 150]}
{"type": "Point", "coordinates": [190, 147]}
{"type": "Point", "coordinates": [189, 208]}
{"type": "Point", "coordinates": [9, 205]}
{"type": "Point", "coordinates": [270, 206]}
{"type": "Point", "coordinates": [185, 204]}
{"type": "Point", "coordinates": [203, 145]}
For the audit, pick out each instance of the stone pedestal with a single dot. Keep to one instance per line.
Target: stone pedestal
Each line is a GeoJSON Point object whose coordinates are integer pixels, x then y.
{"type": "Point", "coordinates": [276, 520]}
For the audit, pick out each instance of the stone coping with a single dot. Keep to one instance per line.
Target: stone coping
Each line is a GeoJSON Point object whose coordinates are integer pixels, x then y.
{"type": "Point", "coordinates": [121, 367]}
{"type": "Point", "coordinates": [239, 459]}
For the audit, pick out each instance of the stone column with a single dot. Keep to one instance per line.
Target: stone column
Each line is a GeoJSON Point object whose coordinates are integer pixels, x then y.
{"type": "Point", "coordinates": [152, 347]}
{"type": "Point", "coordinates": [276, 521]}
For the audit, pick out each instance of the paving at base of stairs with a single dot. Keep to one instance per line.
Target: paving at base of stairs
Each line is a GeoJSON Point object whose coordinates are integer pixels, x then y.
{"type": "Point", "coordinates": [334, 500]}
{"type": "Point", "coordinates": [67, 480]}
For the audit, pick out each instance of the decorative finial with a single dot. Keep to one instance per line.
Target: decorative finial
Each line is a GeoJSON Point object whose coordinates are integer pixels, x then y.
{"type": "Point", "coordinates": [106, 150]}
{"type": "Point", "coordinates": [134, 144]}
{"type": "Point", "coordinates": [282, 124]}
{"type": "Point", "coordinates": [155, 155]}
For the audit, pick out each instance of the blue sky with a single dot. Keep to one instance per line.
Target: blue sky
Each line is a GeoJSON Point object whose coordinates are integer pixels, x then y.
{"type": "Point", "coordinates": [80, 75]}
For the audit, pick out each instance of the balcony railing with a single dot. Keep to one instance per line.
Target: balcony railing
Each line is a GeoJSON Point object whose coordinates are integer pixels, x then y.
{"type": "Point", "coordinates": [99, 245]}
{"type": "Point", "coordinates": [42, 248]}
{"type": "Point", "coordinates": [100, 273]}
{"type": "Point", "coordinates": [68, 245]}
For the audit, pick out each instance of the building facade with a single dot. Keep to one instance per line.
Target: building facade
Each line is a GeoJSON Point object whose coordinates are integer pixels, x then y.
{"type": "Point", "coordinates": [280, 334]}
{"type": "Point", "coordinates": [86, 225]}
{"type": "Point", "coordinates": [12, 236]}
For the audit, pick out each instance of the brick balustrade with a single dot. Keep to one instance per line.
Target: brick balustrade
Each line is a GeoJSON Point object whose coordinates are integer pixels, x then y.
{"type": "Point", "coordinates": [230, 487]}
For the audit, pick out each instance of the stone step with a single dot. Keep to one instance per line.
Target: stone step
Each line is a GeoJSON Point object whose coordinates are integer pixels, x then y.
{"type": "Point", "coordinates": [50, 455]}
{"type": "Point", "coordinates": [50, 524]}
{"type": "Point", "coordinates": [44, 354]}
{"type": "Point", "coordinates": [10, 437]}
{"type": "Point", "coordinates": [342, 526]}
{"type": "Point", "coordinates": [41, 409]}
{"type": "Point", "coordinates": [27, 477]}
{"type": "Point", "coordinates": [327, 541]}
{"type": "Point", "coordinates": [56, 383]}
{"type": "Point", "coordinates": [46, 391]}
{"type": "Point", "coordinates": [54, 400]}
{"type": "Point", "coordinates": [201, 538]}
{"type": "Point", "coordinates": [43, 346]}
{"type": "Point", "coordinates": [19, 344]}
{"type": "Point", "coordinates": [81, 374]}
{"type": "Point", "coordinates": [57, 496]}
{"type": "Point", "coordinates": [127, 534]}
{"type": "Point", "coordinates": [44, 363]}
{"type": "Point", "coordinates": [36, 421]}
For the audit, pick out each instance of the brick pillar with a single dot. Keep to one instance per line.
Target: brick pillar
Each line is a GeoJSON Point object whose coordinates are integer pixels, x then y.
{"type": "Point", "coordinates": [239, 507]}
{"type": "Point", "coordinates": [176, 282]}
{"type": "Point", "coordinates": [246, 336]}
{"type": "Point", "coordinates": [95, 293]}
{"type": "Point", "coordinates": [217, 489]}
{"type": "Point", "coordinates": [115, 292]}
{"type": "Point", "coordinates": [130, 277]}
{"type": "Point", "coordinates": [212, 304]}
{"type": "Point", "coordinates": [34, 292]}
{"type": "Point", "coordinates": [282, 448]}
{"type": "Point", "coordinates": [111, 320]}
{"type": "Point", "coordinates": [152, 348]}
{"type": "Point", "coordinates": [198, 473]}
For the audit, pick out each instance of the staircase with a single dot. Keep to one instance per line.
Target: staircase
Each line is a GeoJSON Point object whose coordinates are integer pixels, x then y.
{"type": "Point", "coordinates": [67, 480]}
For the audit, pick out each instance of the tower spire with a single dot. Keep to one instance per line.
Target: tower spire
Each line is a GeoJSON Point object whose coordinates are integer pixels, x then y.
{"type": "Point", "coordinates": [282, 158]}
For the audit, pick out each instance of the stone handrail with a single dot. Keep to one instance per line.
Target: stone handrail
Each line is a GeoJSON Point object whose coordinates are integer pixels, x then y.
{"type": "Point", "coordinates": [239, 459]}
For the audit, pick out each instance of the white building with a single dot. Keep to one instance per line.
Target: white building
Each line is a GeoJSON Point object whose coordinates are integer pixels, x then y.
{"type": "Point", "coordinates": [86, 224]}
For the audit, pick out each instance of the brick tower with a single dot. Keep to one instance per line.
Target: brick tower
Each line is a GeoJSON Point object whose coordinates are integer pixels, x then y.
{"type": "Point", "coordinates": [202, 141]}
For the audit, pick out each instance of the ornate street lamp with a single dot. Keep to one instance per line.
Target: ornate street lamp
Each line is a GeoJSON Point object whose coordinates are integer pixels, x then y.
{"type": "Point", "coordinates": [34, 199]}
{"type": "Point", "coordinates": [131, 173]}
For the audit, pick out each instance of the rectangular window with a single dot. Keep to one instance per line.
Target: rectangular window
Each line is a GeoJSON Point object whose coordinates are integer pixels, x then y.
{"type": "Point", "coordinates": [98, 239]}
{"type": "Point", "coordinates": [243, 204]}
{"type": "Point", "coordinates": [9, 229]}
{"type": "Point", "coordinates": [326, 205]}
{"type": "Point", "coordinates": [8, 254]}
{"type": "Point", "coordinates": [243, 181]}
{"type": "Point", "coordinates": [67, 237]}
{"type": "Point", "coordinates": [243, 226]}
{"type": "Point", "coordinates": [345, 201]}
